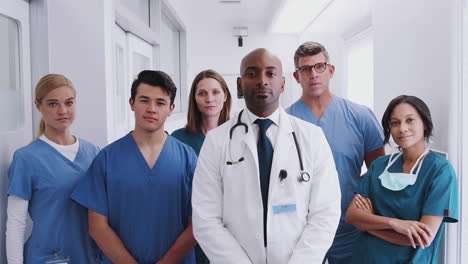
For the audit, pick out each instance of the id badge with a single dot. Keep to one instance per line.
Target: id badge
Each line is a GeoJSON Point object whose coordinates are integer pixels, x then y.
{"type": "Point", "coordinates": [58, 260]}
{"type": "Point", "coordinates": [284, 208]}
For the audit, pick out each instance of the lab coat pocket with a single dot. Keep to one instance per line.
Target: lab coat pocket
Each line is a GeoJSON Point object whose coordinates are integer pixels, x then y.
{"type": "Point", "coordinates": [286, 206]}
{"type": "Point", "coordinates": [284, 222]}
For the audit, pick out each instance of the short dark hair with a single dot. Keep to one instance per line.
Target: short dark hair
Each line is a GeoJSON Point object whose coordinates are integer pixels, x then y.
{"type": "Point", "coordinates": [154, 78]}
{"type": "Point", "coordinates": [310, 48]}
{"type": "Point", "coordinates": [418, 104]}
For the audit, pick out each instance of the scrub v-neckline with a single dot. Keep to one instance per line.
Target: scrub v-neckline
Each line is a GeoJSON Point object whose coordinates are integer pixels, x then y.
{"type": "Point", "coordinates": [73, 163]}
{"type": "Point", "coordinates": [325, 113]}
{"type": "Point", "coordinates": [142, 159]}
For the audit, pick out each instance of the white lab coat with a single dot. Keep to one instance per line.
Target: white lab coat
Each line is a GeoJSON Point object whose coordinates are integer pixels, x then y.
{"type": "Point", "coordinates": [227, 202]}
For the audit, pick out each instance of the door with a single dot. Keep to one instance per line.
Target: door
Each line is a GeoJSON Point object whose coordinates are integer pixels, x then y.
{"type": "Point", "coordinates": [120, 114]}
{"type": "Point", "coordinates": [15, 93]}
{"type": "Point", "coordinates": [170, 56]}
{"type": "Point", "coordinates": [140, 54]}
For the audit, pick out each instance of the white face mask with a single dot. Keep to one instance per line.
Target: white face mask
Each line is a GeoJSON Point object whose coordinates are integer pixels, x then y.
{"type": "Point", "coordinates": [397, 181]}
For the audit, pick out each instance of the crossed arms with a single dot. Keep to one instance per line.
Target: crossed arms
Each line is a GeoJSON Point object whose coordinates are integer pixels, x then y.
{"type": "Point", "coordinates": [396, 231]}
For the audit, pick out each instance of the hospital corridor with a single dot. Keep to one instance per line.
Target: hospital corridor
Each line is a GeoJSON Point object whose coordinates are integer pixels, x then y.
{"type": "Point", "coordinates": [350, 116]}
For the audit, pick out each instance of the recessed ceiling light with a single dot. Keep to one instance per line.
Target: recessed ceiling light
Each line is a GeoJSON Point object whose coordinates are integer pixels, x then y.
{"type": "Point", "coordinates": [230, 1]}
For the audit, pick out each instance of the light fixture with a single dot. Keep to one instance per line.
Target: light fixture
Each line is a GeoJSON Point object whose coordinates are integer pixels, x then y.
{"type": "Point", "coordinates": [240, 32]}
{"type": "Point", "coordinates": [294, 16]}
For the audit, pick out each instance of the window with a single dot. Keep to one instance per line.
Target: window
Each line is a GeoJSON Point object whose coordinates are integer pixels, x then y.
{"type": "Point", "coordinates": [11, 94]}
{"type": "Point", "coordinates": [121, 94]}
{"type": "Point", "coordinates": [159, 43]}
{"type": "Point", "coordinates": [170, 55]}
{"type": "Point", "coordinates": [140, 62]}
{"type": "Point", "coordinates": [131, 56]}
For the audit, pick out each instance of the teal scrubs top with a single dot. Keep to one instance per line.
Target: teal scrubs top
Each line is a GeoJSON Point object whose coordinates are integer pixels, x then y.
{"type": "Point", "coordinates": [351, 130]}
{"type": "Point", "coordinates": [148, 208]}
{"type": "Point", "coordinates": [193, 140]}
{"type": "Point", "coordinates": [42, 175]}
{"type": "Point", "coordinates": [435, 192]}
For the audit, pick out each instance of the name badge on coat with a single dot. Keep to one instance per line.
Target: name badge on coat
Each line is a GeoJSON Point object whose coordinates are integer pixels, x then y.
{"type": "Point", "coordinates": [284, 208]}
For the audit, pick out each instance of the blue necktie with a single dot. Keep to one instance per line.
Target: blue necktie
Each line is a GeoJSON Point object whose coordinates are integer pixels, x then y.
{"type": "Point", "coordinates": [265, 156]}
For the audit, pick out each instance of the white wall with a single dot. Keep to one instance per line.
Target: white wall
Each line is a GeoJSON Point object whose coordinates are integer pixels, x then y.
{"type": "Point", "coordinates": [212, 45]}
{"type": "Point", "coordinates": [335, 45]}
{"type": "Point", "coordinates": [217, 47]}
{"type": "Point", "coordinates": [340, 22]}
{"type": "Point", "coordinates": [77, 46]}
{"type": "Point", "coordinates": [414, 54]}
{"type": "Point", "coordinates": [463, 133]}
{"type": "Point", "coordinates": [222, 53]}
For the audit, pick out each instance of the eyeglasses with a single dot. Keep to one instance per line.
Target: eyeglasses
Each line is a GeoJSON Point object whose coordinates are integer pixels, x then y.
{"type": "Point", "coordinates": [307, 69]}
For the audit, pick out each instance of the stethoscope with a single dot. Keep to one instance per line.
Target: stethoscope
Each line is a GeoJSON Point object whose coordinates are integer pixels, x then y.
{"type": "Point", "coordinates": [303, 175]}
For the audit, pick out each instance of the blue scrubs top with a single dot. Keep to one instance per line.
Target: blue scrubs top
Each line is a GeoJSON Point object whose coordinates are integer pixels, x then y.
{"type": "Point", "coordinates": [193, 140]}
{"type": "Point", "coordinates": [147, 207]}
{"type": "Point", "coordinates": [42, 175]}
{"type": "Point", "coordinates": [351, 130]}
{"type": "Point", "coordinates": [435, 192]}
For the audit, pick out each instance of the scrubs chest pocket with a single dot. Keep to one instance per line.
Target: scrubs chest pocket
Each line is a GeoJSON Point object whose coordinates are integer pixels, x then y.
{"type": "Point", "coordinates": [55, 258]}
{"type": "Point", "coordinates": [58, 260]}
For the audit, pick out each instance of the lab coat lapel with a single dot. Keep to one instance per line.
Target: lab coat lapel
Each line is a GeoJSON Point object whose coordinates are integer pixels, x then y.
{"type": "Point", "coordinates": [284, 146]}
{"type": "Point", "coordinates": [250, 141]}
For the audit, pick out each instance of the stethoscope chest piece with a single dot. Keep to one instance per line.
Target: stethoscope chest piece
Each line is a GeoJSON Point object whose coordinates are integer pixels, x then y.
{"type": "Point", "coordinates": [303, 177]}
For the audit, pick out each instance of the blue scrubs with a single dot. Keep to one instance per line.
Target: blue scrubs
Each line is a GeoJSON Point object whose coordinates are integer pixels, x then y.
{"type": "Point", "coordinates": [351, 130]}
{"type": "Point", "coordinates": [40, 174]}
{"type": "Point", "coordinates": [435, 192]}
{"type": "Point", "coordinates": [147, 207]}
{"type": "Point", "coordinates": [193, 140]}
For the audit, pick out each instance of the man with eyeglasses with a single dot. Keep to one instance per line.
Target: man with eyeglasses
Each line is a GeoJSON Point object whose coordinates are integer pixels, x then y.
{"type": "Point", "coordinates": [352, 130]}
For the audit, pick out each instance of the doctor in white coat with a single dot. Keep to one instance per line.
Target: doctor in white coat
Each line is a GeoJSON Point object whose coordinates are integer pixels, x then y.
{"type": "Point", "coordinates": [242, 214]}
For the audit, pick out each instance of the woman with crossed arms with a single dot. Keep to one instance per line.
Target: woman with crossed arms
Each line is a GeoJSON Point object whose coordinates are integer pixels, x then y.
{"type": "Point", "coordinates": [405, 198]}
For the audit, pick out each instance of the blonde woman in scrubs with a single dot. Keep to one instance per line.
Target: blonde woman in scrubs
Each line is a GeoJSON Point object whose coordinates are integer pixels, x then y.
{"type": "Point", "coordinates": [41, 178]}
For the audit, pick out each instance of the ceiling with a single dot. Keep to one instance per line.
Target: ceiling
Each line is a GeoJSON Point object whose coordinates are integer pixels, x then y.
{"type": "Point", "coordinates": [258, 13]}
{"type": "Point", "coordinates": [344, 17]}
{"type": "Point", "coordinates": [339, 16]}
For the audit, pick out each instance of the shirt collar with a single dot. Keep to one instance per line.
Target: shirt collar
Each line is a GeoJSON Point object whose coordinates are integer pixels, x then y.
{"type": "Point", "coordinates": [273, 117]}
